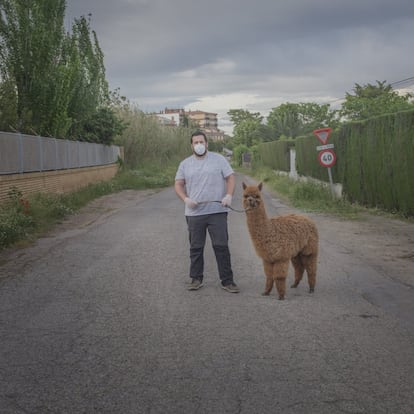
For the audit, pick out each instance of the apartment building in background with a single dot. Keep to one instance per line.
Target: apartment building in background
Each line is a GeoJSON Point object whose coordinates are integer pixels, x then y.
{"type": "Point", "coordinates": [206, 121]}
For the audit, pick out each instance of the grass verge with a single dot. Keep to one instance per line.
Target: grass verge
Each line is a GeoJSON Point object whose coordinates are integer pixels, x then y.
{"type": "Point", "coordinates": [23, 219]}
{"type": "Point", "coordinates": [312, 197]}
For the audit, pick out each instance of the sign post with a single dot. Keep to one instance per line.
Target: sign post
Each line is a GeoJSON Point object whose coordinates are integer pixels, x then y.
{"type": "Point", "coordinates": [326, 156]}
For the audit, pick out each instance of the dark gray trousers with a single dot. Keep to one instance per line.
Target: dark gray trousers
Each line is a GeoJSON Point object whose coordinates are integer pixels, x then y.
{"type": "Point", "coordinates": [216, 225]}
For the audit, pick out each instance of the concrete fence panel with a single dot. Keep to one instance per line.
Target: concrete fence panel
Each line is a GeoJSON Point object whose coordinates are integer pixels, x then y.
{"type": "Point", "coordinates": [21, 153]}
{"type": "Point", "coordinates": [34, 164]}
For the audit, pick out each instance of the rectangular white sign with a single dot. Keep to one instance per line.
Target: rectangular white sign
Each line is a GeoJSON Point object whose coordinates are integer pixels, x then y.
{"type": "Point", "coordinates": [324, 147]}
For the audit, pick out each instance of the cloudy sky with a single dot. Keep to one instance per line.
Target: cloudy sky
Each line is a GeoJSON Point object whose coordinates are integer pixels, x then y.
{"type": "Point", "coordinates": [218, 55]}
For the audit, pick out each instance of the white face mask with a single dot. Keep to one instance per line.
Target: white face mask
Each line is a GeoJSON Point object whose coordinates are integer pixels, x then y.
{"type": "Point", "coordinates": [199, 149]}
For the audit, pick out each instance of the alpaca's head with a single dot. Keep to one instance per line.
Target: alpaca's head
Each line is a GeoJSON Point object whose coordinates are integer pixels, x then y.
{"type": "Point", "coordinates": [252, 197]}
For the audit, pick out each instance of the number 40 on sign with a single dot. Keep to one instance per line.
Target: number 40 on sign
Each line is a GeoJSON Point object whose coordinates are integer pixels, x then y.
{"type": "Point", "coordinates": [327, 158]}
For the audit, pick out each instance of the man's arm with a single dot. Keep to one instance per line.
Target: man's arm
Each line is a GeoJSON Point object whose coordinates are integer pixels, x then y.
{"type": "Point", "coordinates": [230, 184]}
{"type": "Point", "coordinates": [179, 188]}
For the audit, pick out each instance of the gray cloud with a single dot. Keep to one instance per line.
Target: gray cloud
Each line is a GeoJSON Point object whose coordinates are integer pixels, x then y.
{"type": "Point", "coordinates": [228, 54]}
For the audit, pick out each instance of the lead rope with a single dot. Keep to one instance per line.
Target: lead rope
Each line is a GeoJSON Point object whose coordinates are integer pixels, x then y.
{"type": "Point", "coordinates": [218, 201]}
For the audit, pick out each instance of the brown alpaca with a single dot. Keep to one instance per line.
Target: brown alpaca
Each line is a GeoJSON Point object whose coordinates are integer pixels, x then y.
{"type": "Point", "coordinates": [279, 240]}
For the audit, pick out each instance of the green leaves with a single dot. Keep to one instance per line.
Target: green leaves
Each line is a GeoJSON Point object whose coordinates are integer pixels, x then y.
{"type": "Point", "coordinates": [52, 83]}
{"type": "Point", "coordinates": [296, 119]}
{"type": "Point", "coordinates": [373, 100]}
{"type": "Point", "coordinates": [288, 120]}
{"type": "Point", "coordinates": [31, 37]}
{"type": "Point", "coordinates": [248, 129]}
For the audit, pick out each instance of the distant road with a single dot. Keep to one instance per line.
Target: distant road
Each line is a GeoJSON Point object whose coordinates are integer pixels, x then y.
{"type": "Point", "coordinates": [96, 318]}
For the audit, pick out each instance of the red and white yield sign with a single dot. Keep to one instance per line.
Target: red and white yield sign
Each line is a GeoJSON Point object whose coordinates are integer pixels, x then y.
{"type": "Point", "coordinates": [323, 134]}
{"type": "Point", "coordinates": [327, 158]}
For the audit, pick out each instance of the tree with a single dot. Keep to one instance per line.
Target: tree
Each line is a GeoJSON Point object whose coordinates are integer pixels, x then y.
{"type": "Point", "coordinates": [246, 132]}
{"type": "Point", "coordinates": [31, 35]}
{"type": "Point", "coordinates": [239, 115]}
{"type": "Point", "coordinates": [8, 106]}
{"type": "Point", "coordinates": [102, 127]}
{"type": "Point", "coordinates": [315, 116]}
{"type": "Point", "coordinates": [88, 84]}
{"type": "Point", "coordinates": [296, 119]}
{"type": "Point", "coordinates": [53, 81]}
{"type": "Point", "coordinates": [285, 120]}
{"type": "Point", "coordinates": [248, 127]}
{"type": "Point", "coordinates": [373, 100]}
{"type": "Point", "coordinates": [216, 146]}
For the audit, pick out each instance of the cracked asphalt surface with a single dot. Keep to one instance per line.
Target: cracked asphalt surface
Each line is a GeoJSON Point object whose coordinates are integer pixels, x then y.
{"type": "Point", "coordinates": [96, 318]}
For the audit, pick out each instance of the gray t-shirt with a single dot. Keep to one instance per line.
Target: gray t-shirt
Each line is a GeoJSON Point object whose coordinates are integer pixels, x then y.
{"type": "Point", "coordinates": [205, 180]}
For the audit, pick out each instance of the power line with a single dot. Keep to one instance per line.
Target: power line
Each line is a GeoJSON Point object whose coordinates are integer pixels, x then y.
{"type": "Point", "coordinates": [410, 80]}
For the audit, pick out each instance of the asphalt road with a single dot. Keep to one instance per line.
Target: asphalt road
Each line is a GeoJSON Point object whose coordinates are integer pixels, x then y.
{"type": "Point", "coordinates": [97, 319]}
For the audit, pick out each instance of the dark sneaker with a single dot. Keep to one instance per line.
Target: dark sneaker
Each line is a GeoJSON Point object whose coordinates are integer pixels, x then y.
{"type": "Point", "coordinates": [231, 287]}
{"type": "Point", "coordinates": [195, 284]}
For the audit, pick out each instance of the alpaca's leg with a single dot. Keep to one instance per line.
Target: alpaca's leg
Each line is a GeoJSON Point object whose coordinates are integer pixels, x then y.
{"type": "Point", "coordinates": [299, 270]}
{"type": "Point", "coordinates": [280, 272]}
{"type": "Point", "coordinates": [268, 269]}
{"type": "Point", "coordinates": [311, 262]}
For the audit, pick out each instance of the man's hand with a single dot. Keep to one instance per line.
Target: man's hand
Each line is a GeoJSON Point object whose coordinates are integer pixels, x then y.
{"type": "Point", "coordinates": [226, 202]}
{"type": "Point", "coordinates": [190, 203]}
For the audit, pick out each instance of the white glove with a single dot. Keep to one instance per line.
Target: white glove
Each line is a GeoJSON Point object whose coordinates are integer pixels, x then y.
{"type": "Point", "coordinates": [226, 202]}
{"type": "Point", "coordinates": [190, 203]}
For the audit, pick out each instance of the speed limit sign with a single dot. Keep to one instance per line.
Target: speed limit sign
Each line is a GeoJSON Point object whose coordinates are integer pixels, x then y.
{"type": "Point", "coordinates": [327, 158]}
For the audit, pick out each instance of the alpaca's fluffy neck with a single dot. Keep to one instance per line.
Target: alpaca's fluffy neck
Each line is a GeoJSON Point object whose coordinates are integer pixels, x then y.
{"type": "Point", "coordinates": [257, 221]}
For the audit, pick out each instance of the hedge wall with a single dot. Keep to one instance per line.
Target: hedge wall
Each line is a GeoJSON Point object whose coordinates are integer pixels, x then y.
{"type": "Point", "coordinates": [375, 161]}
{"type": "Point", "coordinates": [275, 154]}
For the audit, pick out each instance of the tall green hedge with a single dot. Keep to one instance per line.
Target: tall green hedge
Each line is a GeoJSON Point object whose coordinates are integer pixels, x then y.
{"type": "Point", "coordinates": [275, 154]}
{"type": "Point", "coordinates": [375, 161]}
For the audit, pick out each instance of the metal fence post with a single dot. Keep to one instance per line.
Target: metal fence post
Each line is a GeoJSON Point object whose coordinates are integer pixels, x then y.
{"type": "Point", "coordinates": [21, 163]}
{"type": "Point", "coordinates": [39, 138]}
{"type": "Point", "coordinates": [56, 154]}
{"type": "Point", "coordinates": [67, 158]}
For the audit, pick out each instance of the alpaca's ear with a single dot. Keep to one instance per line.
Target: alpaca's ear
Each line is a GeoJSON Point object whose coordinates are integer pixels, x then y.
{"type": "Point", "coordinates": [244, 186]}
{"type": "Point", "coordinates": [260, 186]}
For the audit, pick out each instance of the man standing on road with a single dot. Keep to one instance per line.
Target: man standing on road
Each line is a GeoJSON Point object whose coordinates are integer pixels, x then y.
{"type": "Point", "coordinates": [205, 182]}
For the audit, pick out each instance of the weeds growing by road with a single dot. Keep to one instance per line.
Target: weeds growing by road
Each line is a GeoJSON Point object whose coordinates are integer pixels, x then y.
{"type": "Point", "coordinates": [24, 219]}
{"type": "Point", "coordinates": [314, 197]}
{"type": "Point", "coordinates": [307, 196]}
{"type": "Point", "coordinates": [155, 149]}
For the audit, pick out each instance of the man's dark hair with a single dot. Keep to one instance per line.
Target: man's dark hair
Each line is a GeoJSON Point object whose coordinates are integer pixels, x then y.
{"type": "Point", "coordinates": [195, 133]}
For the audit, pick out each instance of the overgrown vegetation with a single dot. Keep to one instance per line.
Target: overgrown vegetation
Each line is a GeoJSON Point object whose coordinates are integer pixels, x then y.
{"type": "Point", "coordinates": [312, 196]}
{"type": "Point", "coordinates": [307, 196]}
{"type": "Point", "coordinates": [152, 154]}
{"type": "Point", "coordinates": [53, 83]}
{"type": "Point", "coordinates": [147, 143]}
{"type": "Point", "coordinates": [23, 219]}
